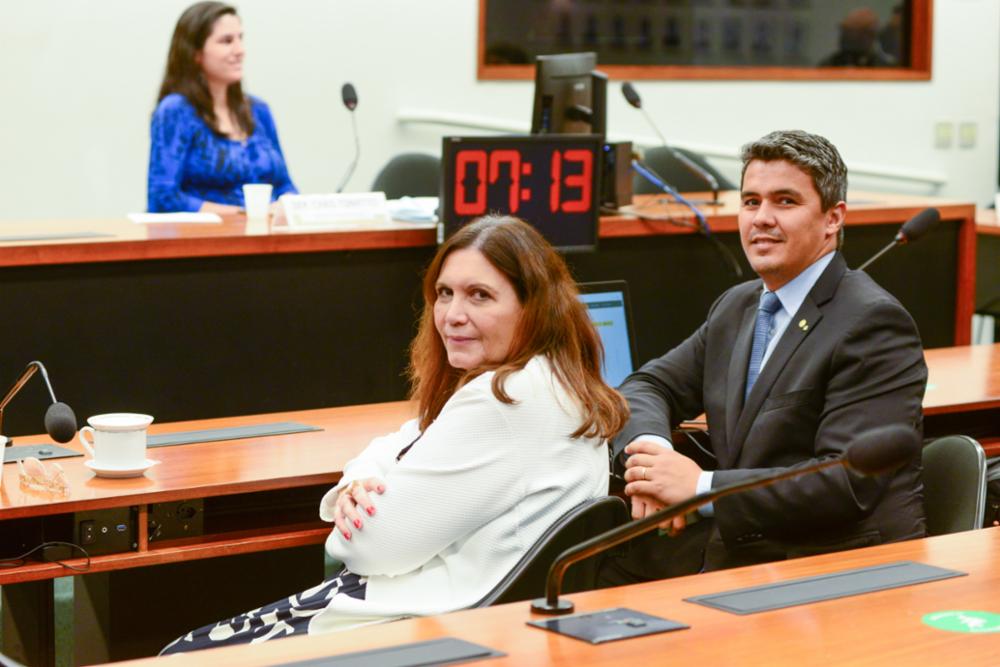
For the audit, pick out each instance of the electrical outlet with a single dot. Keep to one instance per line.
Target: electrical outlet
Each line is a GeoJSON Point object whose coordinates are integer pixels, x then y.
{"type": "Point", "coordinates": [967, 135]}
{"type": "Point", "coordinates": [943, 135]}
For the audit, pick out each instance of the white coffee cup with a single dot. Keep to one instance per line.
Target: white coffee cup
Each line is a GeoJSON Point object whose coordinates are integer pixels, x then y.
{"type": "Point", "coordinates": [119, 440]}
{"type": "Point", "coordinates": [257, 200]}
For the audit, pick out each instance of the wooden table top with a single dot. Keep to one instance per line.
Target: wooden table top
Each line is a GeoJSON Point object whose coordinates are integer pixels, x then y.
{"type": "Point", "coordinates": [882, 628]}
{"type": "Point", "coordinates": [987, 223]}
{"type": "Point", "coordinates": [962, 378]}
{"type": "Point", "coordinates": [121, 240]}
{"type": "Point", "coordinates": [207, 469]}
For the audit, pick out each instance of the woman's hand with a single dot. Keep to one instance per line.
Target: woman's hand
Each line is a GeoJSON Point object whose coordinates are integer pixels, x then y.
{"type": "Point", "coordinates": [353, 501]}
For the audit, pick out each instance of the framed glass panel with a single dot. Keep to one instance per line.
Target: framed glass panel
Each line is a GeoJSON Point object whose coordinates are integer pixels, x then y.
{"type": "Point", "coordinates": [712, 39]}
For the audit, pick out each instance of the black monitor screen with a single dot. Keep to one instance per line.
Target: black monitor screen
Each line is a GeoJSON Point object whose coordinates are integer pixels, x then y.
{"type": "Point", "coordinates": [570, 97]}
{"type": "Point", "coordinates": [608, 307]}
{"type": "Point", "coordinates": [550, 181]}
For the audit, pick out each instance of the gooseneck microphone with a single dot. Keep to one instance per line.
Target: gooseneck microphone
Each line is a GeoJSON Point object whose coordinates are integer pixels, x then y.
{"type": "Point", "coordinates": [60, 422]}
{"type": "Point", "coordinates": [350, 98]}
{"type": "Point", "coordinates": [911, 230]}
{"type": "Point", "coordinates": [632, 97]}
{"type": "Point", "coordinates": [643, 169]}
{"type": "Point", "coordinates": [874, 452]}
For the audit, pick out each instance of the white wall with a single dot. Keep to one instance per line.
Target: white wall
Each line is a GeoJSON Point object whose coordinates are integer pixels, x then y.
{"type": "Point", "coordinates": [78, 80]}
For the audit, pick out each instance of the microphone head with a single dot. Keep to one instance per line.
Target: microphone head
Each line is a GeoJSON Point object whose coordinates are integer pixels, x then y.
{"type": "Point", "coordinates": [350, 96]}
{"type": "Point", "coordinates": [883, 449]}
{"type": "Point", "coordinates": [631, 95]}
{"type": "Point", "coordinates": [918, 225]}
{"type": "Point", "coordinates": [60, 422]}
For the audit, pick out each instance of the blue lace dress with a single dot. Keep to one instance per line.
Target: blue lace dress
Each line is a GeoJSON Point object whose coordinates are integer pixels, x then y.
{"type": "Point", "coordinates": [190, 164]}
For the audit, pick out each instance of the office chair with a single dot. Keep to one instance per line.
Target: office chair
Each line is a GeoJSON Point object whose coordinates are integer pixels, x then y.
{"type": "Point", "coordinates": [673, 171]}
{"type": "Point", "coordinates": [989, 309]}
{"type": "Point", "coordinates": [409, 175]}
{"type": "Point", "coordinates": [954, 479]}
{"type": "Point", "coordinates": [527, 579]}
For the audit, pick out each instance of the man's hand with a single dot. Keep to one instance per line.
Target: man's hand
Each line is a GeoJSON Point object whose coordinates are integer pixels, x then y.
{"type": "Point", "coordinates": [353, 501]}
{"type": "Point", "coordinates": [659, 475]}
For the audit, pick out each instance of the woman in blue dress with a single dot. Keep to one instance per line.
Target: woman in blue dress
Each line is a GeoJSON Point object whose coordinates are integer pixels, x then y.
{"type": "Point", "coordinates": [208, 137]}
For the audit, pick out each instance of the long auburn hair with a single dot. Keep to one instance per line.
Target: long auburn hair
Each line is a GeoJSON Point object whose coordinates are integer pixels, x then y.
{"type": "Point", "coordinates": [553, 322]}
{"type": "Point", "coordinates": [185, 76]}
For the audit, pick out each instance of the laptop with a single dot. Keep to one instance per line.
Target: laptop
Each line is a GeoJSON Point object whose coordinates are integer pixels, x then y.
{"type": "Point", "coordinates": [610, 310]}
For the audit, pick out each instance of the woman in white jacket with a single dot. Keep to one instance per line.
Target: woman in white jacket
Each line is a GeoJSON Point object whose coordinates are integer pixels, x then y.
{"type": "Point", "coordinates": [511, 433]}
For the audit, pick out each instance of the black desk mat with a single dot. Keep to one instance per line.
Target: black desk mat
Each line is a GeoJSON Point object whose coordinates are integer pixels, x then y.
{"type": "Point", "coordinates": [53, 451]}
{"type": "Point", "coordinates": [444, 651]}
{"type": "Point", "coordinates": [824, 587]}
{"type": "Point", "coordinates": [229, 433]}
{"type": "Point", "coordinates": [40, 452]}
{"type": "Point", "coordinates": [608, 625]}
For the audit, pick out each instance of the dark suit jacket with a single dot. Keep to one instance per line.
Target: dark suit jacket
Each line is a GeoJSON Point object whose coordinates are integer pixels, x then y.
{"type": "Point", "coordinates": [850, 360]}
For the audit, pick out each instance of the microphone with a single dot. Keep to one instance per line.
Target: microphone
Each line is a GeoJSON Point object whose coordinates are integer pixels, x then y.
{"type": "Point", "coordinates": [350, 98]}
{"type": "Point", "coordinates": [875, 452]}
{"type": "Point", "coordinates": [60, 422]}
{"type": "Point", "coordinates": [632, 97]}
{"type": "Point", "coordinates": [651, 176]}
{"type": "Point", "coordinates": [911, 230]}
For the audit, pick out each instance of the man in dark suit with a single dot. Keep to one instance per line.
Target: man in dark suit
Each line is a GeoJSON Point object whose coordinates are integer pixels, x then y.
{"type": "Point", "coordinates": [789, 369]}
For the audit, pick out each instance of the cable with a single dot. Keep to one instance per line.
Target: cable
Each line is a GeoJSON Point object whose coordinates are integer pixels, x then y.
{"type": "Point", "coordinates": [706, 231]}
{"type": "Point", "coordinates": [18, 561]}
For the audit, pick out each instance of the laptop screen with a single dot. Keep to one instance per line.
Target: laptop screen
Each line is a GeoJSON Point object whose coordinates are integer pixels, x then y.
{"type": "Point", "coordinates": [608, 306]}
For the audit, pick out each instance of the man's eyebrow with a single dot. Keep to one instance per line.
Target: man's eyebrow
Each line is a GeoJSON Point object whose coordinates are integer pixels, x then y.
{"type": "Point", "coordinates": [773, 193]}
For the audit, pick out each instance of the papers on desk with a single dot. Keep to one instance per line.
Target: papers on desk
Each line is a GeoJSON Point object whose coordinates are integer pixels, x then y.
{"type": "Point", "coordinates": [336, 210]}
{"type": "Point", "coordinates": [413, 209]}
{"type": "Point", "coordinates": [175, 218]}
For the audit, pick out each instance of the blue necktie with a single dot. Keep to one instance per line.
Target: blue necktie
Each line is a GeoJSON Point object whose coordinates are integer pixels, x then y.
{"type": "Point", "coordinates": [769, 305]}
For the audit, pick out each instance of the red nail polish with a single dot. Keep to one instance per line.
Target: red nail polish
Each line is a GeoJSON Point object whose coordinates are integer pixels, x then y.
{"type": "Point", "coordinates": [347, 535]}
{"type": "Point", "coordinates": [371, 511]}
{"type": "Point", "coordinates": [357, 523]}
{"type": "Point", "coordinates": [381, 489]}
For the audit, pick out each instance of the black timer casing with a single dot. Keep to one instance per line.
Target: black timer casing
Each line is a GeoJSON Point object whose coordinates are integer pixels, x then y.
{"type": "Point", "coordinates": [552, 182]}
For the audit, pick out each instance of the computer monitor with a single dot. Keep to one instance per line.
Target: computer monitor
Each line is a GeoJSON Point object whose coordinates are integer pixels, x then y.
{"type": "Point", "coordinates": [570, 96]}
{"type": "Point", "coordinates": [610, 311]}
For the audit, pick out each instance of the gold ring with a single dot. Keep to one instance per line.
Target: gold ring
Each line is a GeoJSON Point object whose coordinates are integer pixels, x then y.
{"type": "Point", "coordinates": [643, 473]}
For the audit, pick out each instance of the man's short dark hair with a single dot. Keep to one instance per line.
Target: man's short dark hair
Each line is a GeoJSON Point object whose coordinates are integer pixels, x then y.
{"type": "Point", "coordinates": [811, 153]}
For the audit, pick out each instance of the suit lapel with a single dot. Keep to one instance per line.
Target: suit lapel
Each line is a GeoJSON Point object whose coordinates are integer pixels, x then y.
{"type": "Point", "coordinates": [802, 324]}
{"type": "Point", "coordinates": [737, 378]}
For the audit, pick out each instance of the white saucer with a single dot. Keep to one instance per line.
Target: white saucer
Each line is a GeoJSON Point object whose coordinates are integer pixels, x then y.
{"type": "Point", "coordinates": [120, 472]}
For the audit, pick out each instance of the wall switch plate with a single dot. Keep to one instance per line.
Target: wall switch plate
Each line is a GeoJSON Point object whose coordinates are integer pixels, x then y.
{"type": "Point", "coordinates": [943, 135]}
{"type": "Point", "coordinates": [967, 135]}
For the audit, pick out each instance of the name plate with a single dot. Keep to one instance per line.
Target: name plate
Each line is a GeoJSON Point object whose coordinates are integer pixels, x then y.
{"type": "Point", "coordinates": [335, 210]}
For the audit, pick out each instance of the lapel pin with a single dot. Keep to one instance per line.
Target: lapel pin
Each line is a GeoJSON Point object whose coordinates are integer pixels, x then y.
{"type": "Point", "coordinates": [803, 325]}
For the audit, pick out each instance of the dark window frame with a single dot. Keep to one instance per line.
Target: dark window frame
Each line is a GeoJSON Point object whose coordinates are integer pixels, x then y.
{"type": "Point", "coordinates": [918, 70]}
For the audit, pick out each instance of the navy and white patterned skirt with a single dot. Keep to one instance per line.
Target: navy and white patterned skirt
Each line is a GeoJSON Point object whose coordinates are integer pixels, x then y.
{"type": "Point", "coordinates": [284, 618]}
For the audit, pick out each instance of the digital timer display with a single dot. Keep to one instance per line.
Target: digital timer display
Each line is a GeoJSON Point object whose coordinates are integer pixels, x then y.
{"type": "Point", "coordinates": [549, 181]}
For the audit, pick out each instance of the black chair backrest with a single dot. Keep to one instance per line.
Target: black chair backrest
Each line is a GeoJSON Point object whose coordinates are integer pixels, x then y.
{"type": "Point", "coordinates": [409, 175]}
{"type": "Point", "coordinates": [527, 579]}
{"type": "Point", "coordinates": [954, 477]}
{"type": "Point", "coordinates": [678, 176]}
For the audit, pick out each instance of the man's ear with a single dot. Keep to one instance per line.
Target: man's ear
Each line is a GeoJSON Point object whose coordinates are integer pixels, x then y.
{"type": "Point", "coordinates": [835, 218]}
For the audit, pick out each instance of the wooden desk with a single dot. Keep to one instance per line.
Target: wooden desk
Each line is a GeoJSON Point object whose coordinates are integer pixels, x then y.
{"type": "Point", "coordinates": [963, 394]}
{"type": "Point", "coordinates": [234, 469]}
{"type": "Point", "coordinates": [193, 321]}
{"type": "Point", "coordinates": [205, 470]}
{"type": "Point", "coordinates": [964, 391]}
{"type": "Point", "coordinates": [882, 628]}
